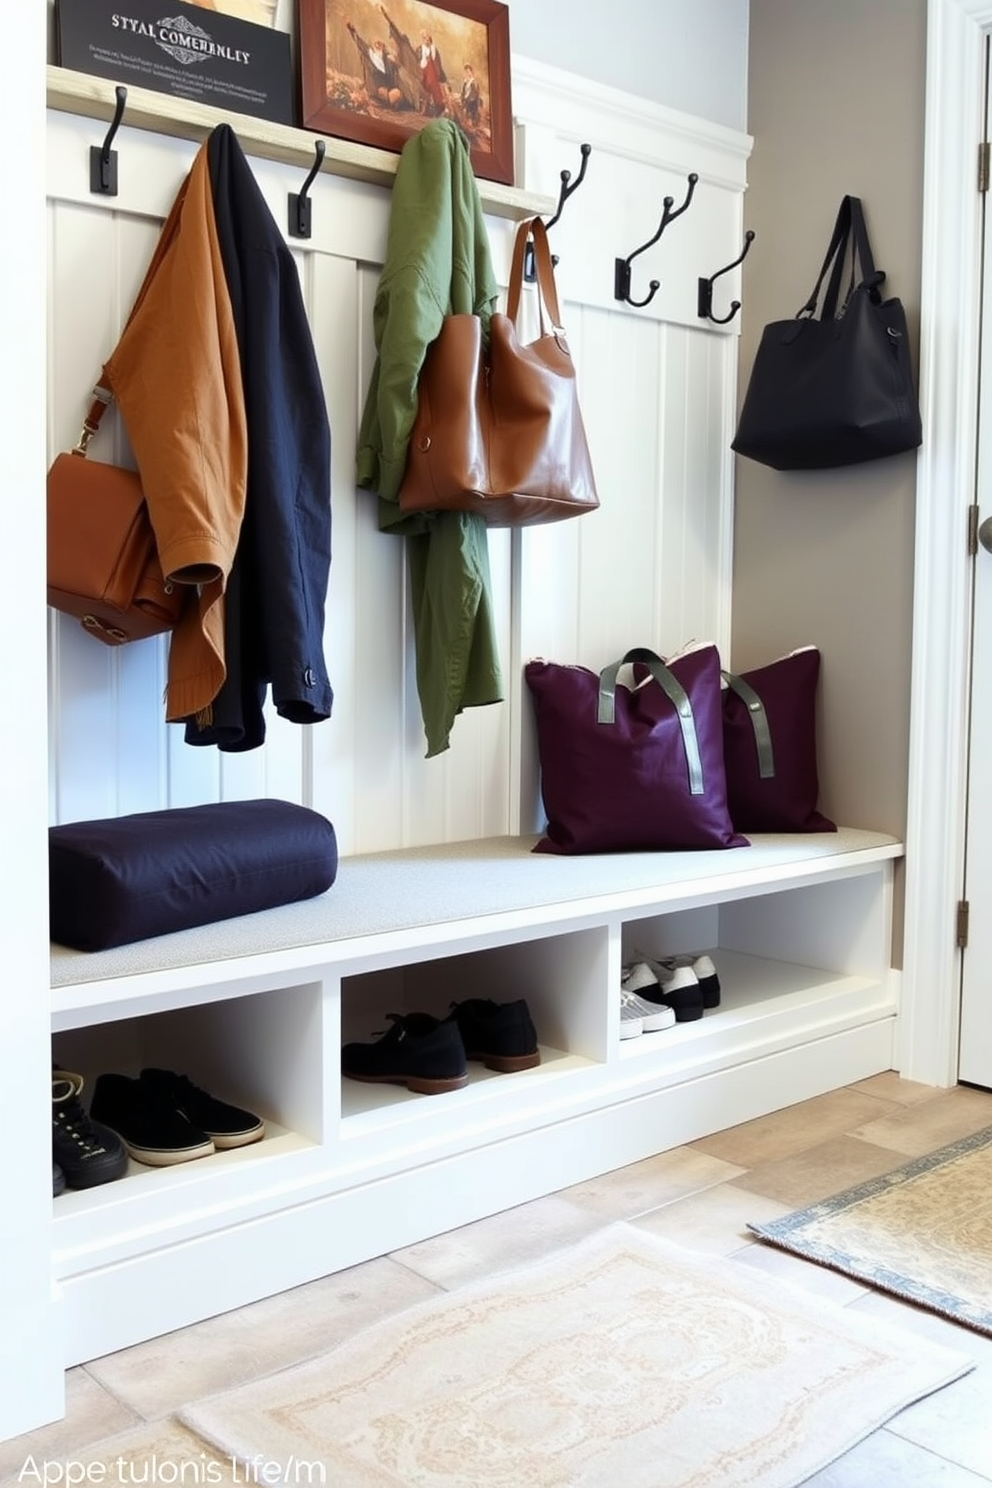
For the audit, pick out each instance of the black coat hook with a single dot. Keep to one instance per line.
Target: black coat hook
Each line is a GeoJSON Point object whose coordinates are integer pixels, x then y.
{"type": "Point", "coordinates": [621, 274]}
{"type": "Point", "coordinates": [565, 191]}
{"type": "Point", "coordinates": [103, 160]}
{"type": "Point", "coordinates": [299, 203]}
{"type": "Point", "coordinates": [704, 305]}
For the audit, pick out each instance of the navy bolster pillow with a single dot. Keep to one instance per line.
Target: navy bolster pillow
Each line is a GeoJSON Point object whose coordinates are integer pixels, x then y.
{"type": "Point", "coordinates": [128, 878]}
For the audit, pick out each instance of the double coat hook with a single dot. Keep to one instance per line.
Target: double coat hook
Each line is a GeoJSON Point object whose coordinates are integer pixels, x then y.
{"type": "Point", "coordinates": [704, 303]}
{"type": "Point", "coordinates": [103, 160]}
{"type": "Point", "coordinates": [565, 191]}
{"type": "Point", "coordinates": [299, 202]}
{"type": "Point", "coordinates": [621, 275]}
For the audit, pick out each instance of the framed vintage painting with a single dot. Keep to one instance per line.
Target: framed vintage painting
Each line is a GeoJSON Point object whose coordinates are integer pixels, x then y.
{"type": "Point", "coordinates": [376, 73]}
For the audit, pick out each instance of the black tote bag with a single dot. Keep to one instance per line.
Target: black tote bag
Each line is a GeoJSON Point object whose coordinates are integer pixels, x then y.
{"type": "Point", "coordinates": [837, 390]}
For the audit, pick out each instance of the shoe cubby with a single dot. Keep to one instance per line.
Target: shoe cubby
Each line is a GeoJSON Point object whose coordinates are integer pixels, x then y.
{"type": "Point", "coordinates": [561, 978]}
{"type": "Point", "coordinates": [783, 958]}
{"type": "Point", "coordinates": [263, 1052]}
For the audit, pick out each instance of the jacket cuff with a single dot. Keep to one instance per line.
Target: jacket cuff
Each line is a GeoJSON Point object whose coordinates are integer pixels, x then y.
{"type": "Point", "coordinates": [195, 560]}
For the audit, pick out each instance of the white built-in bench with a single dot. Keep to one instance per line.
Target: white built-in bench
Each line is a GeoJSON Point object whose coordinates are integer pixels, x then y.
{"type": "Point", "coordinates": [257, 1008]}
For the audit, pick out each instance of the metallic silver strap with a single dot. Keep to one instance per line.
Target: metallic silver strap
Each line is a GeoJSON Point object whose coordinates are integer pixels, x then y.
{"type": "Point", "coordinates": [677, 696]}
{"type": "Point", "coordinates": [759, 722]}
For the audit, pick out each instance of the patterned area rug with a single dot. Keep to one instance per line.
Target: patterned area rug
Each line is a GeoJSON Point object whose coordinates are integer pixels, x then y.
{"type": "Point", "coordinates": [922, 1232]}
{"type": "Point", "coordinates": [624, 1359]}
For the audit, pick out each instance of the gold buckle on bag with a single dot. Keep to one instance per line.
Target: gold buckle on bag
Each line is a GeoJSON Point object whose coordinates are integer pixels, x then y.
{"type": "Point", "coordinates": [102, 397]}
{"type": "Point", "coordinates": [90, 622]}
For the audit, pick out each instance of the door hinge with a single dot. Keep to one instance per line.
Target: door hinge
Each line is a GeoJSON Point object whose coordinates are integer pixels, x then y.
{"type": "Point", "coordinates": [961, 940]}
{"type": "Point", "coordinates": [983, 165]}
{"type": "Point", "coordinates": [972, 529]}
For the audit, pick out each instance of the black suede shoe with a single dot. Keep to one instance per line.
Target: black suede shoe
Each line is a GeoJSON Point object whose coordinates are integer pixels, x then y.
{"type": "Point", "coordinates": [150, 1127]}
{"type": "Point", "coordinates": [87, 1153]}
{"type": "Point", "coordinates": [224, 1124]}
{"type": "Point", "coordinates": [501, 1034]}
{"type": "Point", "coordinates": [420, 1052]}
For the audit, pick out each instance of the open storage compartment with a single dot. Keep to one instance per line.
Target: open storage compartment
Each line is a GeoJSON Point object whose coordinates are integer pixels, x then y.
{"type": "Point", "coordinates": [790, 961]}
{"type": "Point", "coordinates": [264, 1052]}
{"type": "Point", "coordinates": [562, 978]}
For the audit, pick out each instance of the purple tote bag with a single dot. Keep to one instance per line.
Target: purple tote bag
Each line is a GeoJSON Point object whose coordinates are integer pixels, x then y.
{"type": "Point", "coordinates": [632, 768]}
{"type": "Point", "coordinates": [769, 746]}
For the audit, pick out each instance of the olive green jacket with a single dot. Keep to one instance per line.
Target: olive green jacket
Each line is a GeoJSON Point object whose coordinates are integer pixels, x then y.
{"type": "Point", "coordinates": [437, 263]}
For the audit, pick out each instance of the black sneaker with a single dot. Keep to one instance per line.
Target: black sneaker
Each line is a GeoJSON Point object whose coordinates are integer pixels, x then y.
{"type": "Point", "coordinates": [419, 1051]}
{"type": "Point", "coordinates": [704, 971]}
{"type": "Point", "coordinates": [150, 1127]}
{"type": "Point", "coordinates": [224, 1124]}
{"type": "Point", "coordinates": [87, 1153]}
{"type": "Point", "coordinates": [501, 1034]}
{"type": "Point", "coordinates": [674, 987]}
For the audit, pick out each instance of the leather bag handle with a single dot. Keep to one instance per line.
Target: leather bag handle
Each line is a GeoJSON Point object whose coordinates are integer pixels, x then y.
{"type": "Point", "coordinates": [850, 231]}
{"type": "Point", "coordinates": [534, 229]}
{"type": "Point", "coordinates": [838, 241]}
{"type": "Point", "coordinates": [102, 394]}
{"type": "Point", "coordinates": [102, 397]}
{"type": "Point", "coordinates": [677, 696]}
{"type": "Point", "coordinates": [759, 723]}
{"type": "Point", "coordinates": [861, 259]}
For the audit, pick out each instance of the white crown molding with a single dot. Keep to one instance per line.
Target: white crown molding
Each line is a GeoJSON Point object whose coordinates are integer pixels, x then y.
{"type": "Point", "coordinates": [936, 816]}
{"type": "Point", "coordinates": [581, 109]}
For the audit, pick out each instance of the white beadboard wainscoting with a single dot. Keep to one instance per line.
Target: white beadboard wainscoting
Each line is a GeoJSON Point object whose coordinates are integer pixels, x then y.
{"type": "Point", "coordinates": [651, 567]}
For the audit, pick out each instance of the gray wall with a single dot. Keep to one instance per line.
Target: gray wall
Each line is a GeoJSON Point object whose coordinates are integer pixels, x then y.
{"type": "Point", "coordinates": [687, 54]}
{"type": "Point", "coordinates": [836, 98]}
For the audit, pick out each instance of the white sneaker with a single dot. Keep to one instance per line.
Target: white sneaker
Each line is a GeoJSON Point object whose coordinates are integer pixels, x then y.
{"type": "Point", "coordinates": [653, 1015]}
{"type": "Point", "coordinates": [631, 1021]}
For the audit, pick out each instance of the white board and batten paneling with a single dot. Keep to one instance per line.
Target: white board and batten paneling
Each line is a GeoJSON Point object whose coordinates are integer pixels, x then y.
{"type": "Point", "coordinates": [802, 927]}
{"type": "Point", "coordinates": [651, 567]}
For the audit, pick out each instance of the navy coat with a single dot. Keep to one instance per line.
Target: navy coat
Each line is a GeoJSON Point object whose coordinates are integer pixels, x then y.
{"type": "Point", "coordinates": [274, 607]}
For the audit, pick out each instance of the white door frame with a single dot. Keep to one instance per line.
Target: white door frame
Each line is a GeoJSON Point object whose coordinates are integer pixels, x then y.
{"type": "Point", "coordinates": [949, 332]}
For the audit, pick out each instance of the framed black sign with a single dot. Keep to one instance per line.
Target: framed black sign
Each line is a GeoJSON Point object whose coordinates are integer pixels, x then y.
{"type": "Point", "coordinates": [185, 50]}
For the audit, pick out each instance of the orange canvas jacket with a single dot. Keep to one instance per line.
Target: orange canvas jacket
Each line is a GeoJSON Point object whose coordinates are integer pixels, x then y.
{"type": "Point", "coordinates": [176, 376]}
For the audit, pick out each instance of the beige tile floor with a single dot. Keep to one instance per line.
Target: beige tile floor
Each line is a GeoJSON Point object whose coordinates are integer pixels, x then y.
{"type": "Point", "coordinates": [701, 1195]}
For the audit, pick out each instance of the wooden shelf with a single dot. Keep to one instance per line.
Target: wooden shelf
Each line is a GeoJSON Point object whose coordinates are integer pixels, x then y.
{"type": "Point", "coordinates": [80, 93]}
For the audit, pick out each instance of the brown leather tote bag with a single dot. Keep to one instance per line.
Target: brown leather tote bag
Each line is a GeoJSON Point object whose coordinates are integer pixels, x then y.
{"type": "Point", "coordinates": [498, 430]}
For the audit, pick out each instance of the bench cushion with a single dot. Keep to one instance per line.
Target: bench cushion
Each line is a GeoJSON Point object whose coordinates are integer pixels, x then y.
{"type": "Point", "coordinates": [128, 878]}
